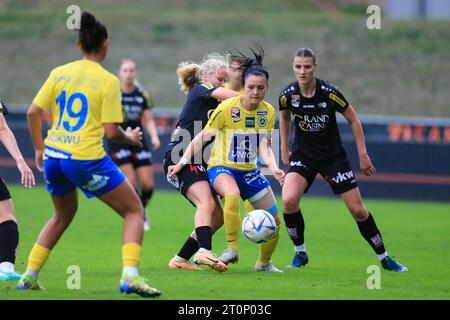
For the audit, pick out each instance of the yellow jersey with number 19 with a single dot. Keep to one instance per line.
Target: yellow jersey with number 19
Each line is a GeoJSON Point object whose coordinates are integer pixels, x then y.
{"type": "Point", "coordinates": [238, 133]}
{"type": "Point", "coordinates": [82, 96]}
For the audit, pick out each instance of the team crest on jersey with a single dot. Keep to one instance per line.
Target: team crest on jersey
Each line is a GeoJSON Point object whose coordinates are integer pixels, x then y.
{"type": "Point", "coordinates": [322, 105]}
{"type": "Point", "coordinates": [235, 114]}
{"type": "Point", "coordinates": [262, 121]}
{"type": "Point", "coordinates": [295, 100]}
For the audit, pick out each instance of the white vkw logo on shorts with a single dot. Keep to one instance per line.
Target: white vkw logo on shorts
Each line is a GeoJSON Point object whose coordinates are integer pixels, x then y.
{"type": "Point", "coordinates": [96, 183]}
{"type": "Point", "coordinates": [343, 176]}
{"type": "Point", "coordinates": [297, 164]}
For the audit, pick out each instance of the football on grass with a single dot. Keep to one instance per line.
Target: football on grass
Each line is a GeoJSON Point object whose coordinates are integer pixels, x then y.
{"type": "Point", "coordinates": [258, 226]}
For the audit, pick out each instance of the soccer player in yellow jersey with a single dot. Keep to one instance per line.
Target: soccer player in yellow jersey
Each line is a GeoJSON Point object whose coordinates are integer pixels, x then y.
{"type": "Point", "coordinates": [234, 83]}
{"type": "Point", "coordinates": [242, 126]}
{"type": "Point", "coordinates": [85, 103]}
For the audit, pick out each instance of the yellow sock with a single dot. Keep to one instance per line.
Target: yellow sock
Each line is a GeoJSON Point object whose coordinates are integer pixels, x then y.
{"type": "Point", "coordinates": [131, 254]}
{"type": "Point", "coordinates": [37, 257]}
{"type": "Point", "coordinates": [248, 207]}
{"type": "Point", "coordinates": [266, 249]}
{"type": "Point", "coordinates": [232, 219]}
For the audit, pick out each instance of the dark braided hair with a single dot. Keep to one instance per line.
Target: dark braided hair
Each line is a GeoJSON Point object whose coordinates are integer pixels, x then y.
{"type": "Point", "coordinates": [251, 66]}
{"type": "Point", "coordinates": [92, 33]}
{"type": "Point", "coordinates": [305, 52]}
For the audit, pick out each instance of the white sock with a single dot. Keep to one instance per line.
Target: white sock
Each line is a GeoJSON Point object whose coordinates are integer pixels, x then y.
{"type": "Point", "coordinates": [6, 267]}
{"type": "Point", "coordinates": [32, 273]}
{"type": "Point", "coordinates": [179, 259]}
{"type": "Point", "coordinates": [131, 271]}
{"type": "Point", "coordinates": [301, 248]}
{"type": "Point", "coordinates": [382, 256]}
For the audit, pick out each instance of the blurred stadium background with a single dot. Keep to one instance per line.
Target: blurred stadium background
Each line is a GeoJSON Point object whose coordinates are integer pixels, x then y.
{"type": "Point", "coordinates": [396, 77]}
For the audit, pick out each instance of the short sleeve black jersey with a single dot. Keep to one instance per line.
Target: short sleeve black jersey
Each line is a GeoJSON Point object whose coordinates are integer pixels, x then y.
{"type": "Point", "coordinates": [3, 108]}
{"type": "Point", "coordinates": [316, 131]}
{"type": "Point", "coordinates": [134, 104]}
{"type": "Point", "coordinates": [198, 107]}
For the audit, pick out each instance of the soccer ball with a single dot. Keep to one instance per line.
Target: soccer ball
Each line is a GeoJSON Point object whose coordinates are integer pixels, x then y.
{"type": "Point", "coordinates": [258, 226]}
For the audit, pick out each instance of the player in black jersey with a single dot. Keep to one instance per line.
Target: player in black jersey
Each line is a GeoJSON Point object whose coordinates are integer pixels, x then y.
{"type": "Point", "coordinates": [136, 162]}
{"type": "Point", "coordinates": [9, 233]}
{"type": "Point", "coordinates": [203, 85]}
{"type": "Point", "coordinates": [317, 148]}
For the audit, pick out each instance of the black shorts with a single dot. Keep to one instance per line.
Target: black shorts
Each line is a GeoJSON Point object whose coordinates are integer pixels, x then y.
{"type": "Point", "coordinates": [337, 172]}
{"type": "Point", "coordinates": [189, 175]}
{"type": "Point", "coordinates": [4, 192]}
{"type": "Point", "coordinates": [123, 154]}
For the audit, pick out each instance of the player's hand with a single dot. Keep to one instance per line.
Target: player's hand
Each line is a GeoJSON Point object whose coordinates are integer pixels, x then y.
{"type": "Point", "coordinates": [366, 165]}
{"type": "Point", "coordinates": [279, 175]}
{"type": "Point", "coordinates": [27, 175]}
{"type": "Point", "coordinates": [155, 143]}
{"type": "Point", "coordinates": [135, 135]}
{"type": "Point", "coordinates": [175, 169]}
{"type": "Point", "coordinates": [285, 158]}
{"type": "Point", "coordinates": [39, 161]}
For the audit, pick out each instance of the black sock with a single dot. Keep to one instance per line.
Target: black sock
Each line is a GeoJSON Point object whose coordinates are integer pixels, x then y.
{"type": "Point", "coordinates": [295, 227]}
{"type": "Point", "coordinates": [189, 248]}
{"type": "Point", "coordinates": [370, 232]}
{"type": "Point", "coordinates": [145, 196]}
{"type": "Point", "coordinates": [9, 240]}
{"type": "Point", "coordinates": [204, 237]}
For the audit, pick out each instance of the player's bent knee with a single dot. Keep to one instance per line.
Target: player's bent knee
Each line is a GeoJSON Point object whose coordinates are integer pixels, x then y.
{"type": "Point", "coordinates": [359, 213]}
{"type": "Point", "coordinates": [290, 203]}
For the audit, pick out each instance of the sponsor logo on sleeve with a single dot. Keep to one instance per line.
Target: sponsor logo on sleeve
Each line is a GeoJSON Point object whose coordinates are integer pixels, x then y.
{"type": "Point", "coordinates": [338, 100]}
{"type": "Point", "coordinates": [283, 102]}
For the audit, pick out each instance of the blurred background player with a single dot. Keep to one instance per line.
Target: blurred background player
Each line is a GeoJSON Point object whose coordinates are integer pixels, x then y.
{"type": "Point", "coordinates": [242, 127]}
{"type": "Point", "coordinates": [85, 103]}
{"type": "Point", "coordinates": [135, 162]}
{"type": "Point", "coordinates": [203, 84]}
{"type": "Point", "coordinates": [317, 148]}
{"type": "Point", "coordinates": [9, 232]}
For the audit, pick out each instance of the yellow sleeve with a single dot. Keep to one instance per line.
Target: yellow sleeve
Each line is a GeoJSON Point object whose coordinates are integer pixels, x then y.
{"type": "Point", "coordinates": [271, 124]}
{"type": "Point", "coordinates": [44, 97]}
{"type": "Point", "coordinates": [111, 103]}
{"type": "Point", "coordinates": [217, 120]}
{"type": "Point", "coordinates": [148, 100]}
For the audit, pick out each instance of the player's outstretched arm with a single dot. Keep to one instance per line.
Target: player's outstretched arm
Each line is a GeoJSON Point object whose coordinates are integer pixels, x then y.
{"type": "Point", "coordinates": [10, 143]}
{"type": "Point", "coordinates": [130, 136]}
{"type": "Point", "coordinates": [268, 158]}
{"type": "Point", "coordinates": [285, 131]}
{"type": "Point", "coordinates": [34, 116]}
{"type": "Point", "coordinates": [151, 129]}
{"type": "Point", "coordinates": [364, 161]}
{"type": "Point", "coordinates": [194, 146]}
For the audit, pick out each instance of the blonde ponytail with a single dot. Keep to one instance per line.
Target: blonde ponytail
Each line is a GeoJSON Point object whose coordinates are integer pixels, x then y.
{"type": "Point", "coordinates": [187, 74]}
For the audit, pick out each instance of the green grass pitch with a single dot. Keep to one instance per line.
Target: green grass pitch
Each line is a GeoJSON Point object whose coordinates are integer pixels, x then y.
{"type": "Point", "coordinates": [416, 233]}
